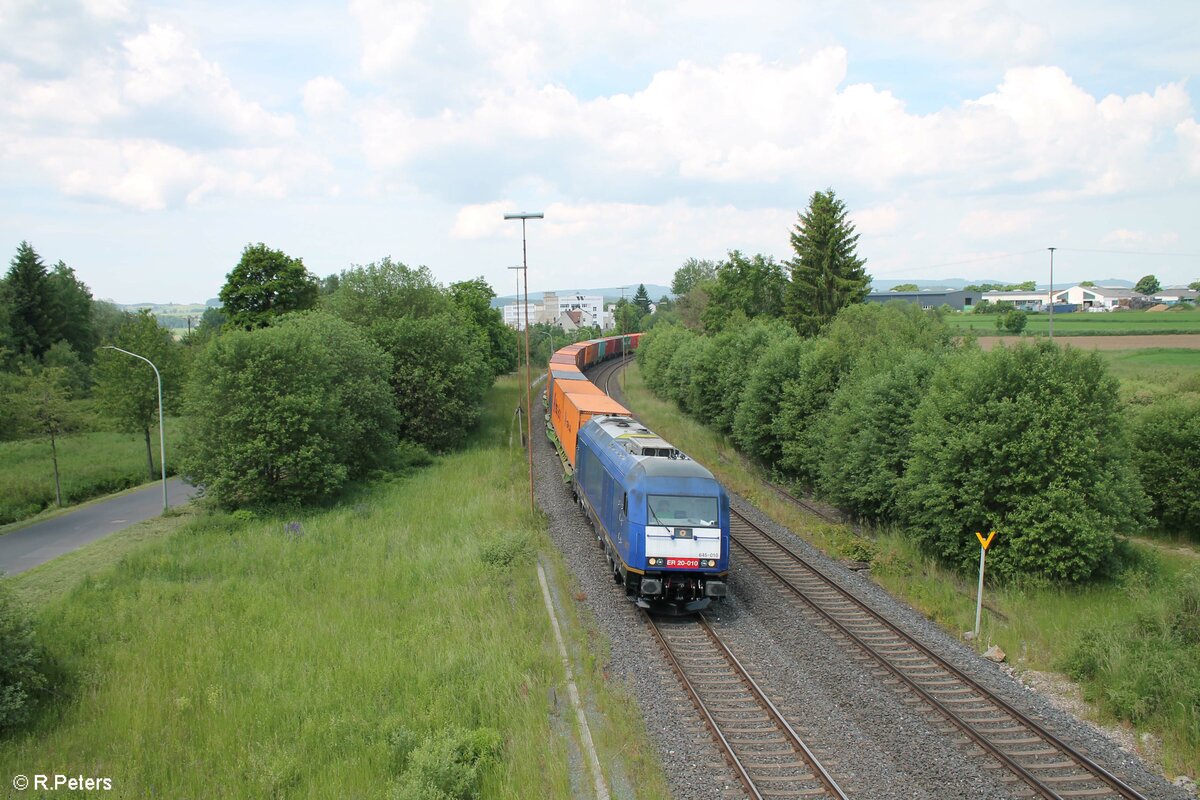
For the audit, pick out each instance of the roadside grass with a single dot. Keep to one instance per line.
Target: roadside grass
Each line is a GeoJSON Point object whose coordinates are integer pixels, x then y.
{"type": "Point", "coordinates": [1122, 639]}
{"type": "Point", "coordinates": [305, 655]}
{"type": "Point", "coordinates": [1082, 323]}
{"type": "Point", "coordinates": [90, 464]}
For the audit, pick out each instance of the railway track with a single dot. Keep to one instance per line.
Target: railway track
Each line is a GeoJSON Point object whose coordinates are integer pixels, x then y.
{"type": "Point", "coordinates": [1048, 766]}
{"type": "Point", "coordinates": [766, 752]}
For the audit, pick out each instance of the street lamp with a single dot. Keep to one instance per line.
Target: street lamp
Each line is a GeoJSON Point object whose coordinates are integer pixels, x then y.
{"type": "Point", "coordinates": [528, 391]}
{"type": "Point", "coordinates": [1052, 249]}
{"type": "Point", "coordinates": [162, 441]}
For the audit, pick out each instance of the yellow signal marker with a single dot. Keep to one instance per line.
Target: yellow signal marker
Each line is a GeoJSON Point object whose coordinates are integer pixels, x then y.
{"type": "Point", "coordinates": [985, 542]}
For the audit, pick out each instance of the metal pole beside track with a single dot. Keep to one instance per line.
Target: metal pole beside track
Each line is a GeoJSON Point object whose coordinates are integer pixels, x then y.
{"type": "Point", "coordinates": [528, 377]}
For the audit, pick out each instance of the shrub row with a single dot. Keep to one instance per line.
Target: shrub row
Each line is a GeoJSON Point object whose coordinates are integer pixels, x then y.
{"type": "Point", "coordinates": [887, 417]}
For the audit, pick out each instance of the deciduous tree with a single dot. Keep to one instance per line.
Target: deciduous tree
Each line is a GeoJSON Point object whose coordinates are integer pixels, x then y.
{"type": "Point", "coordinates": [287, 413]}
{"type": "Point", "coordinates": [905, 287]}
{"type": "Point", "coordinates": [1166, 440]}
{"type": "Point", "coordinates": [47, 413]}
{"type": "Point", "coordinates": [1147, 285]}
{"type": "Point", "coordinates": [71, 301]}
{"type": "Point", "coordinates": [126, 386]}
{"type": "Point", "coordinates": [265, 284]}
{"type": "Point", "coordinates": [474, 299]}
{"type": "Point", "coordinates": [750, 286]}
{"type": "Point", "coordinates": [1029, 441]}
{"type": "Point", "coordinates": [827, 273]}
{"type": "Point", "coordinates": [693, 273]}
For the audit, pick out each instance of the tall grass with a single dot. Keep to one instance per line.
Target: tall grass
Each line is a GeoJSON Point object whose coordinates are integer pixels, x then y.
{"type": "Point", "coordinates": [1153, 373]}
{"type": "Point", "coordinates": [1132, 641]}
{"type": "Point", "coordinates": [90, 464]}
{"type": "Point", "coordinates": [323, 655]}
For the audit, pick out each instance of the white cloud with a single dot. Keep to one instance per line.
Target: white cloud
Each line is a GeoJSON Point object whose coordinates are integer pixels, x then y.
{"type": "Point", "coordinates": [164, 69]}
{"type": "Point", "coordinates": [149, 175]}
{"type": "Point", "coordinates": [964, 28]}
{"type": "Point", "coordinates": [482, 220]}
{"type": "Point", "coordinates": [744, 120]}
{"type": "Point", "coordinates": [1123, 236]}
{"type": "Point", "coordinates": [878, 220]}
{"type": "Point", "coordinates": [325, 96]}
{"type": "Point", "coordinates": [389, 29]}
{"type": "Point", "coordinates": [986, 224]}
{"type": "Point", "coordinates": [1188, 134]}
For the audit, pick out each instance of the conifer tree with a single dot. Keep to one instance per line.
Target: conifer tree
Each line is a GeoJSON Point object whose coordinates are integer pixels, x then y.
{"type": "Point", "coordinates": [641, 299]}
{"type": "Point", "coordinates": [827, 273]}
{"type": "Point", "coordinates": [29, 299]}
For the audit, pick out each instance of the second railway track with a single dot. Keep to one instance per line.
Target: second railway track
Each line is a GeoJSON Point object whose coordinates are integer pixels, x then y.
{"type": "Point", "coordinates": [766, 752]}
{"type": "Point", "coordinates": [1048, 766]}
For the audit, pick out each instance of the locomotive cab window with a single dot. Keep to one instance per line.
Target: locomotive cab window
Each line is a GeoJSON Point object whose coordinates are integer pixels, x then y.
{"type": "Point", "coordinates": [674, 510]}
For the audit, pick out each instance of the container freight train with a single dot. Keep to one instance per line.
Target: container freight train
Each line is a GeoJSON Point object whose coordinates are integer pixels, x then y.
{"type": "Point", "coordinates": [662, 519]}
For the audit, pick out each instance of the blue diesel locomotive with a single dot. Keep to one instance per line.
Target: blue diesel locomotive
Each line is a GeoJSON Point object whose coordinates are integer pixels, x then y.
{"type": "Point", "coordinates": [663, 519]}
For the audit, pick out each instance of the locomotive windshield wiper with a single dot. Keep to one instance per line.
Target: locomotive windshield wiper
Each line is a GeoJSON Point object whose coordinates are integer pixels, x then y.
{"type": "Point", "coordinates": [655, 515]}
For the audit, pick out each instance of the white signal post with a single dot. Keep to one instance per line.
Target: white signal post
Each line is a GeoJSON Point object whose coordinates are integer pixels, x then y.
{"type": "Point", "coordinates": [983, 547]}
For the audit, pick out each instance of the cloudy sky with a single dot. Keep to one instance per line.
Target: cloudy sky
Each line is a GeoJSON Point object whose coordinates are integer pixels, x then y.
{"type": "Point", "coordinates": [146, 144]}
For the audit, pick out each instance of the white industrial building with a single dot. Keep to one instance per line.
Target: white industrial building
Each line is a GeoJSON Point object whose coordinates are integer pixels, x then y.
{"type": "Point", "coordinates": [561, 311]}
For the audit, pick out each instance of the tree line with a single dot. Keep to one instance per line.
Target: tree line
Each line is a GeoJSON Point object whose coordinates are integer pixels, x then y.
{"type": "Point", "coordinates": [293, 387]}
{"type": "Point", "coordinates": [883, 410]}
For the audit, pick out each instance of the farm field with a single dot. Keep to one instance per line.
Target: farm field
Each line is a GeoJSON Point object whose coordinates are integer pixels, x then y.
{"type": "Point", "coordinates": [1079, 323]}
{"type": "Point", "coordinates": [1160, 341]}
{"type": "Point", "coordinates": [347, 652]}
{"type": "Point", "coordinates": [1112, 628]}
{"type": "Point", "coordinates": [90, 465]}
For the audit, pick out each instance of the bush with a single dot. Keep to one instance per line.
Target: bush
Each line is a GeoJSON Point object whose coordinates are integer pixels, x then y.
{"type": "Point", "coordinates": [445, 766]}
{"type": "Point", "coordinates": [287, 413]}
{"type": "Point", "coordinates": [1012, 321]}
{"type": "Point", "coordinates": [866, 441]}
{"type": "Point", "coordinates": [680, 369]}
{"type": "Point", "coordinates": [1028, 441]}
{"type": "Point", "coordinates": [754, 426]}
{"type": "Point", "coordinates": [719, 380]}
{"type": "Point", "coordinates": [1166, 448]}
{"type": "Point", "coordinates": [866, 334]}
{"type": "Point", "coordinates": [21, 676]}
{"type": "Point", "coordinates": [440, 374]}
{"type": "Point", "coordinates": [804, 399]}
{"type": "Point", "coordinates": [655, 352]}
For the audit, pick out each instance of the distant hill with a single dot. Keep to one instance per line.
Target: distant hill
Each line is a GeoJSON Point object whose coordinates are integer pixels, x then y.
{"type": "Point", "coordinates": [611, 294]}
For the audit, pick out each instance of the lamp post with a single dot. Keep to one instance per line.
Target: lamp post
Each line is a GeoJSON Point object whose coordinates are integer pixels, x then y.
{"type": "Point", "coordinates": [1052, 249]}
{"type": "Point", "coordinates": [162, 441]}
{"type": "Point", "coordinates": [523, 216]}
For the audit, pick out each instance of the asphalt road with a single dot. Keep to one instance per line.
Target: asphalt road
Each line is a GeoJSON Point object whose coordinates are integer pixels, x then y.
{"type": "Point", "coordinates": [26, 548]}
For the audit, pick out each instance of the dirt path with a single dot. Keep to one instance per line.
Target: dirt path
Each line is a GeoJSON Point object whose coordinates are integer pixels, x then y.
{"type": "Point", "coordinates": [1190, 341]}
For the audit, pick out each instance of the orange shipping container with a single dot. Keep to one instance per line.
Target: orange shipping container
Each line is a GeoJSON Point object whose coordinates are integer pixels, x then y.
{"type": "Point", "coordinates": [571, 410]}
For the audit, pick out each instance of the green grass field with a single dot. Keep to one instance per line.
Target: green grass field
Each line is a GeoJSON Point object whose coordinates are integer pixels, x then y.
{"type": "Point", "coordinates": [295, 656]}
{"type": "Point", "coordinates": [90, 465]}
{"type": "Point", "coordinates": [1080, 323]}
{"type": "Point", "coordinates": [1144, 674]}
{"type": "Point", "coordinates": [1155, 372]}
